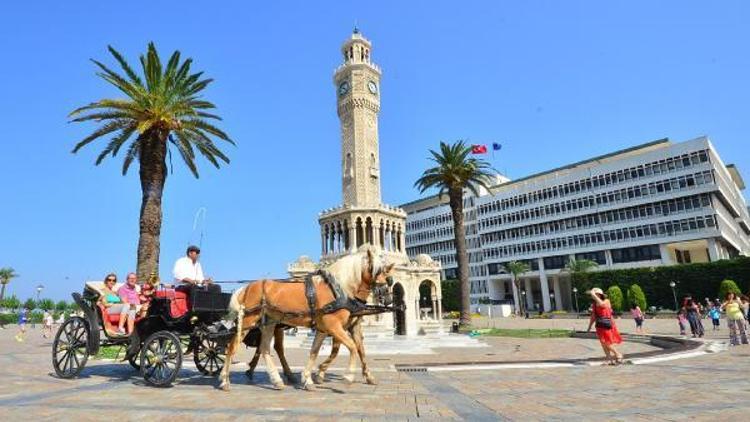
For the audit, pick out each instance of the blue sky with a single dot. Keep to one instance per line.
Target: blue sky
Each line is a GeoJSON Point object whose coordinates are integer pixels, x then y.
{"type": "Point", "coordinates": [554, 82]}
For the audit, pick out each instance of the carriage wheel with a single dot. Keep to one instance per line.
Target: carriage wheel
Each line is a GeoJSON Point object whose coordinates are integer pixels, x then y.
{"type": "Point", "coordinates": [70, 349]}
{"type": "Point", "coordinates": [209, 356]}
{"type": "Point", "coordinates": [135, 361]}
{"type": "Point", "coordinates": [161, 359]}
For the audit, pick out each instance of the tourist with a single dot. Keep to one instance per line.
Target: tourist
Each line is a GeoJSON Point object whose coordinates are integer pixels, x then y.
{"type": "Point", "coordinates": [23, 317]}
{"type": "Point", "coordinates": [637, 314]}
{"type": "Point", "coordinates": [606, 330]}
{"type": "Point", "coordinates": [745, 301]}
{"type": "Point", "coordinates": [692, 310]}
{"type": "Point", "coordinates": [715, 314]}
{"type": "Point", "coordinates": [735, 319]}
{"type": "Point", "coordinates": [111, 300]}
{"type": "Point", "coordinates": [681, 320]}
{"type": "Point", "coordinates": [128, 292]}
{"type": "Point", "coordinates": [47, 324]}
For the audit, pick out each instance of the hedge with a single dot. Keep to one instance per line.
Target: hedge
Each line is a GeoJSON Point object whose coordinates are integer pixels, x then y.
{"type": "Point", "coordinates": [636, 296]}
{"type": "Point", "coordinates": [615, 298]}
{"type": "Point", "coordinates": [699, 280]}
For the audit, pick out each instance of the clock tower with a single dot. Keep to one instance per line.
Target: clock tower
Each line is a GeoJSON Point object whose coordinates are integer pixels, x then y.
{"type": "Point", "coordinates": [357, 83]}
{"type": "Point", "coordinates": [362, 219]}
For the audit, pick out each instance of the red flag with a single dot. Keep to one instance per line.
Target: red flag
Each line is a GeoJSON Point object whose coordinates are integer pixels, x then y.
{"type": "Point", "coordinates": [479, 149]}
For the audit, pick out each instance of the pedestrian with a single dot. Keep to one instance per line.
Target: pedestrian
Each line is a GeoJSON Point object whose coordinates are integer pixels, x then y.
{"type": "Point", "coordinates": [47, 324]}
{"type": "Point", "coordinates": [735, 320]}
{"type": "Point", "coordinates": [606, 330]}
{"type": "Point", "coordinates": [692, 311]}
{"type": "Point", "coordinates": [707, 308]}
{"type": "Point", "coordinates": [745, 301]}
{"type": "Point", "coordinates": [22, 320]}
{"type": "Point", "coordinates": [715, 314]}
{"type": "Point", "coordinates": [637, 314]}
{"type": "Point", "coordinates": [681, 320]}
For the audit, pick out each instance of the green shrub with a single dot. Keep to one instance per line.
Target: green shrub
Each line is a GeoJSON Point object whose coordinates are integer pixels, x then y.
{"type": "Point", "coordinates": [727, 286]}
{"type": "Point", "coordinates": [615, 298]}
{"type": "Point", "coordinates": [61, 306]}
{"type": "Point", "coordinates": [46, 304]}
{"type": "Point", "coordinates": [451, 295]}
{"type": "Point", "coordinates": [30, 304]}
{"type": "Point", "coordinates": [636, 296]}
{"type": "Point", "coordinates": [701, 280]}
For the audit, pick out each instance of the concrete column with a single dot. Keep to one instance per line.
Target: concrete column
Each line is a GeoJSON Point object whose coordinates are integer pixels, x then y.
{"type": "Point", "coordinates": [558, 295]}
{"type": "Point", "coordinates": [416, 307]}
{"type": "Point", "coordinates": [434, 309]}
{"type": "Point", "coordinates": [546, 304]}
{"type": "Point", "coordinates": [323, 242]}
{"type": "Point", "coordinates": [516, 299]}
{"type": "Point", "coordinates": [352, 236]}
{"type": "Point", "coordinates": [402, 236]}
{"type": "Point", "coordinates": [666, 257]}
{"type": "Point", "coordinates": [608, 258]}
{"type": "Point", "coordinates": [529, 294]}
{"type": "Point", "coordinates": [440, 308]}
{"type": "Point", "coordinates": [714, 250]}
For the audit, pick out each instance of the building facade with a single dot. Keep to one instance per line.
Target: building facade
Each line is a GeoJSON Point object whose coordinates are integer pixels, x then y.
{"type": "Point", "coordinates": [660, 203]}
{"type": "Point", "coordinates": [363, 220]}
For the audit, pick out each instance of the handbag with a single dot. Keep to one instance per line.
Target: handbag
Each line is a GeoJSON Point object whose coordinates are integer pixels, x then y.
{"type": "Point", "coordinates": [604, 322]}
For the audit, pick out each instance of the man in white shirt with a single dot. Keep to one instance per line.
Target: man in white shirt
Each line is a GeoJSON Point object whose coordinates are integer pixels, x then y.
{"type": "Point", "coordinates": [187, 270]}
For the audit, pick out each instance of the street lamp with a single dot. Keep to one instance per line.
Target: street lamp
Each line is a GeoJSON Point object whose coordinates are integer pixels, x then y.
{"type": "Point", "coordinates": [672, 284]}
{"type": "Point", "coordinates": [39, 289]}
{"type": "Point", "coordinates": [575, 296]}
{"type": "Point", "coordinates": [523, 303]}
{"type": "Point", "coordinates": [552, 299]}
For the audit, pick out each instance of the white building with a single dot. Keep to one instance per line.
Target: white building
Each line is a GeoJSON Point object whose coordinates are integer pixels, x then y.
{"type": "Point", "coordinates": [659, 203]}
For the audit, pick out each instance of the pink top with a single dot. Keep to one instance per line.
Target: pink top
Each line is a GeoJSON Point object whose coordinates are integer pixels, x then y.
{"type": "Point", "coordinates": [636, 313]}
{"type": "Point", "coordinates": [128, 295]}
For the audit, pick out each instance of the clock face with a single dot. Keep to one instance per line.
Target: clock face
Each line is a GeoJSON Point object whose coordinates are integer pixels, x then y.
{"type": "Point", "coordinates": [343, 88]}
{"type": "Point", "coordinates": [373, 87]}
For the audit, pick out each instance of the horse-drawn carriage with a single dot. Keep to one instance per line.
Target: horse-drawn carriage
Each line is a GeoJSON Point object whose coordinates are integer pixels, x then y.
{"type": "Point", "coordinates": [175, 318]}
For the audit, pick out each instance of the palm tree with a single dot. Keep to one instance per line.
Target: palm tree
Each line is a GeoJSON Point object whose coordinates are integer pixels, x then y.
{"type": "Point", "coordinates": [162, 110]}
{"type": "Point", "coordinates": [576, 266]}
{"type": "Point", "coordinates": [456, 171]}
{"type": "Point", "coordinates": [6, 275]}
{"type": "Point", "coordinates": [517, 268]}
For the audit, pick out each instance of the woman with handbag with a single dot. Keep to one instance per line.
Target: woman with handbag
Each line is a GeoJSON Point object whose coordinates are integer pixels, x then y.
{"type": "Point", "coordinates": [606, 330]}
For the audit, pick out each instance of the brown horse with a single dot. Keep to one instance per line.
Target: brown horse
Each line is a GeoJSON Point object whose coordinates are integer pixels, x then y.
{"type": "Point", "coordinates": [268, 303]}
{"type": "Point", "coordinates": [355, 330]}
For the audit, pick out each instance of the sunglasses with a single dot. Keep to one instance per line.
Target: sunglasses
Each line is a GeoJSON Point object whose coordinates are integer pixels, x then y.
{"type": "Point", "coordinates": [110, 280]}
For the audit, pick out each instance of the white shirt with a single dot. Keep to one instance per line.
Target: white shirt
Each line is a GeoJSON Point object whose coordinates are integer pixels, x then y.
{"type": "Point", "coordinates": [185, 268]}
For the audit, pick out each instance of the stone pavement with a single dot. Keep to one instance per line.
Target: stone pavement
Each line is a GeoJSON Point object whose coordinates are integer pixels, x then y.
{"type": "Point", "coordinates": [699, 388]}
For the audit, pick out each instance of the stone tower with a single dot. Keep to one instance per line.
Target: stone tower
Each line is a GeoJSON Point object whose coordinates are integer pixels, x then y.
{"type": "Point", "coordinates": [362, 218]}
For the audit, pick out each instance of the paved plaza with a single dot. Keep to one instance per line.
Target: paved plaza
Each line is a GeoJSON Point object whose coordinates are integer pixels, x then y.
{"type": "Point", "coordinates": [697, 388]}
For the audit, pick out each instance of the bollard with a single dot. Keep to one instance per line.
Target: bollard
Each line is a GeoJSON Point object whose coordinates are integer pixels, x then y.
{"type": "Point", "coordinates": [454, 327]}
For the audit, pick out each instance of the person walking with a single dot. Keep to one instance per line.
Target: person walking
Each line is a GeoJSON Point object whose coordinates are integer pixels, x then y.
{"type": "Point", "coordinates": [692, 311]}
{"type": "Point", "coordinates": [23, 317]}
{"type": "Point", "coordinates": [47, 324]}
{"type": "Point", "coordinates": [715, 314]}
{"type": "Point", "coordinates": [606, 330]}
{"type": "Point", "coordinates": [637, 314]}
{"type": "Point", "coordinates": [681, 320]}
{"type": "Point", "coordinates": [735, 320]}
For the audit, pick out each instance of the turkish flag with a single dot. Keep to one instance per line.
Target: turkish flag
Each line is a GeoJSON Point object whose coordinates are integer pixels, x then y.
{"type": "Point", "coordinates": [479, 149]}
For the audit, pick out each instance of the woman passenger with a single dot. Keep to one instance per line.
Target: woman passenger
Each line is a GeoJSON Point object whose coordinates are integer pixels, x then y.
{"type": "Point", "coordinates": [110, 300]}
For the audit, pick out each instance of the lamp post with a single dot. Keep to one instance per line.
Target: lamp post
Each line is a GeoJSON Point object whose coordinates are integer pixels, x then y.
{"type": "Point", "coordinates": [39, 289]}
{"type": "Point", "coordinates": [523, 303]}
{"type": "Point", "coordinates": [672, 284]}
{"type": "Point", "coordinates": [575, 296]}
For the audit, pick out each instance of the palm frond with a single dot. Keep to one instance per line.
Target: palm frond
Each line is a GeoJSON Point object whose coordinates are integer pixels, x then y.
{"type": "Point", "coordinates": [115, 144]}
{"type": "Point", "coordinates": [131, 154]}
{"type": "Point", "coordinates": [105, 129]}
{"type": "Point", "coordinates": [125, 66]}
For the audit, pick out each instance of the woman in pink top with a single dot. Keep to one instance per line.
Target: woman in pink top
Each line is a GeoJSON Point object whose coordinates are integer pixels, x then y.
{"type": "Point", "coordinates": [637, 314]}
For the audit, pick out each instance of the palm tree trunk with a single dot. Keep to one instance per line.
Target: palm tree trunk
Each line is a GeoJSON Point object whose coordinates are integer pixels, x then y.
{"type": "Point", "coordinates": [153, 174]}
{"type": "Point", "coordinates": [462, 257]}
{"type": "Point", "coordinates": [2, 292]}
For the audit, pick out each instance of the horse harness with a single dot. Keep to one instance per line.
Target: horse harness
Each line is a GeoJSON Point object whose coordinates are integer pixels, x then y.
{"type": "Point", "coordinates": [340, 301]}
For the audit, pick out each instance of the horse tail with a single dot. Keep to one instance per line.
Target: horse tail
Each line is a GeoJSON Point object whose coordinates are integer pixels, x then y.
{"type": "Point", "coordinates": [234, 302]}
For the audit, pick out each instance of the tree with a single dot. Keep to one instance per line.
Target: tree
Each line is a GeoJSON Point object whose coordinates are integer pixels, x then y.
{"type": "Point", "coordinates": [615, 298]}
{"type": "Point", "coordinates": [6, 275]}
{"type": "Point", "coordinates": [517, 268]}
{"type": "Point", "coordinates": [11, 303]}
{"type": "Point", "coordinates": [636, 296]}
{"type": "Point", "coordinates": [163, 110]}
{"type": "Point", "coordinates": [451, 295]}
{"type": "Point", "coordinates": [454, 173]}
{"type": "Point", "coordinates": [577, 266]}
{"type": "Point", "coordinates": [727, 286]}
{"type": "Point", "coordinates": [61, 306]}
{"type": "Point", "coordinates": [30, 304]}
{"type": "Point", "coordinates": [46, 304]}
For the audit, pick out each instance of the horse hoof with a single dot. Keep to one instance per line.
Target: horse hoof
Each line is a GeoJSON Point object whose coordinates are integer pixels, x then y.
{"type": "Point", "coordinates": [319, 378]}
{"type": "Point", "coordinates": [224, 386]}
{"type": "Point", "coordinates": [279, 385]}
{"type": "Point", "coordinates": [308, 385]}
{"type": "Point", "coordinates": [249, 374]}
{"type": "Point", "coordinates": [291, 378]}
{"type": "Point", "coordinates": [371, 380]}
{"type": "Point", "coordinates": [349, 379]}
